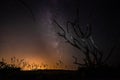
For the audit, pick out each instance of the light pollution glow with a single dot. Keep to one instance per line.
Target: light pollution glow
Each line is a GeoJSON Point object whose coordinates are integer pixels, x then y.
{"type": "Point", "coordinates": [36, 43]}
{"type": "Point", "coordinates": [36, 64]}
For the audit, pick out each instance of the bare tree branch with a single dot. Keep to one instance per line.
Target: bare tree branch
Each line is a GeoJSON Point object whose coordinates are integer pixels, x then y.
{"type": "Point", "coordinates": [64, 33]}
{"type": "Point", "coordinates": [83, 41]}
{"type": "Point", "coordinates": [110, 53]}
{"type": "Point", "coordinates": [76, 61]}
{"type": "Point", "coordinates": [74, 27]}
{"type": "Point", "coordinates": [25, 5]}
{"type": "Point", "coordinates": [88, 31]}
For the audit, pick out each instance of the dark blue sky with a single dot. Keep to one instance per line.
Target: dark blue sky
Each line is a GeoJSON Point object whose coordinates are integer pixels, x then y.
{"type": "Point", "coordinates": [26, 27]}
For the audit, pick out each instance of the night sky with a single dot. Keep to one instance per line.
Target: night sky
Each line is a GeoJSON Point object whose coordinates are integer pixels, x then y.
{"type": "Point", "coordinates": [27, 29]}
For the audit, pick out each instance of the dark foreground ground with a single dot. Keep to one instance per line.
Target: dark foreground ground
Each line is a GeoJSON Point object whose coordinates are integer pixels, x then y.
{"type": "Point", "coordinates": [60, 75]}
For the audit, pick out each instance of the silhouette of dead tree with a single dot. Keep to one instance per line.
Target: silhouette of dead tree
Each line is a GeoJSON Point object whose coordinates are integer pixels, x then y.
{"type": "Point", "coordinates": [83, 41]}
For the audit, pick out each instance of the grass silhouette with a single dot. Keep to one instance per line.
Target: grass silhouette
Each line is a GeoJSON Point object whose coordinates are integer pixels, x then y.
{"type": "Point", "coordinates": [14, 72]}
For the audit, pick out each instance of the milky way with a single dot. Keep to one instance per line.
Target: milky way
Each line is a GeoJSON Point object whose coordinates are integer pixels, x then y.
{"type": "Point", "coordinates": [27, 29]}
{"type": "Point", "coordinates": [37, 40]}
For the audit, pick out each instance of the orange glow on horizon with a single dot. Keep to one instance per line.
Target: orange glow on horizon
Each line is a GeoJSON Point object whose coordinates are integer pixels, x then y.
{"type": "Point", "coordinates": [38, 64]}
{"type": "Point", "coordinates": [34, 60]}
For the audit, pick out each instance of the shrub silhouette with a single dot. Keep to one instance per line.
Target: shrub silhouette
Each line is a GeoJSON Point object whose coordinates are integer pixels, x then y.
{"type": "Point", "coordinates": [5, 67]}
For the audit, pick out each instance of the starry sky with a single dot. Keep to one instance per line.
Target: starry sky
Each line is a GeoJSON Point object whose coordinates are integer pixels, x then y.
{"type": "Point", "coordinates": [27, 29]}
